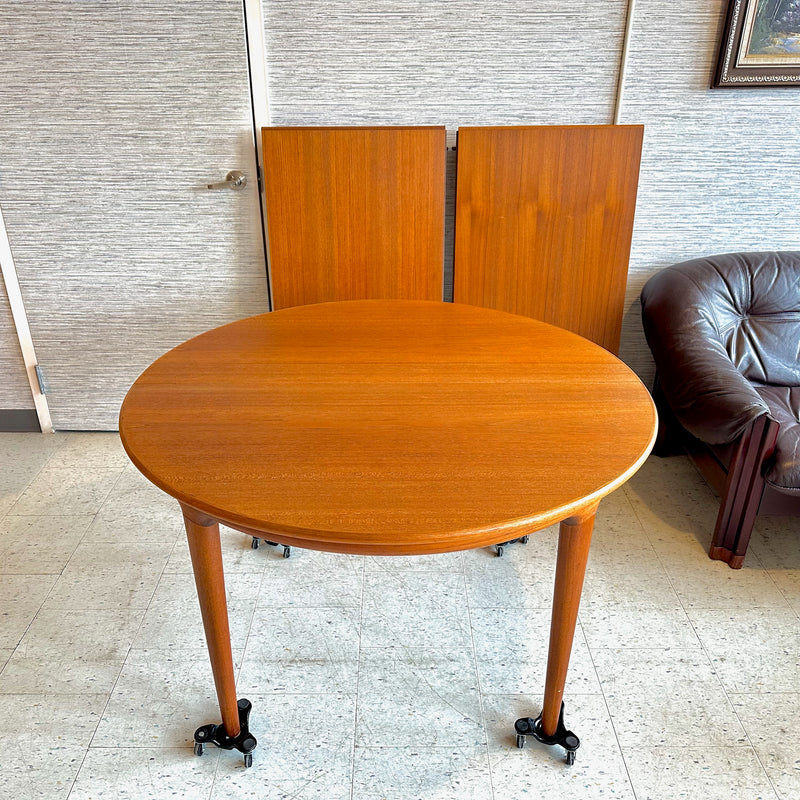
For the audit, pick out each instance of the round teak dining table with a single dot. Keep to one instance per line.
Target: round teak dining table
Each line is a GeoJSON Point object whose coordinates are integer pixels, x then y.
{"type": "Point", "coordinates": [388, 427]}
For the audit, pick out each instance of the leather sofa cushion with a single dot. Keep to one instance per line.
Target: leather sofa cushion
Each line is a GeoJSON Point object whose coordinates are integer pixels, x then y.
{"type": "Point", "coordinates": [717, 327]}
{"type": "Point", "coordinates": [754, 300]}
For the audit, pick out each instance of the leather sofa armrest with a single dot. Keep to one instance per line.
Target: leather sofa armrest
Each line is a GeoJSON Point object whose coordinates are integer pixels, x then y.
{"type": "Point", "coordinates": [706, 392]}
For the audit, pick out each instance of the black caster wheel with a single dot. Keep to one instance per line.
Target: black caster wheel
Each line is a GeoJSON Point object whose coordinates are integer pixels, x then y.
{"type": "Point", "coordinates": [287, 551]}
{"type": "Point", "coordinates": [524, 540]}
{"type": "Point", "coordinates": [244, 741]}
{"type": "Point", "coordinates": [533, 727]}
{"type": "Point", "coordinates": [499, 550]}
{"type": "Point", "coordinates": [255, 543]}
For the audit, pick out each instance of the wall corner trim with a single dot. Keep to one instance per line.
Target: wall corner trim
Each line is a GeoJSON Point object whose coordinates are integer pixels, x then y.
{"type": "Point", "coordinates": [623, 62]}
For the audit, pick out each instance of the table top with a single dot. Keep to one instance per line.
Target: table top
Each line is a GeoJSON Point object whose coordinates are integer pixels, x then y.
{"type": "Point", "coordinates": [389, 427]}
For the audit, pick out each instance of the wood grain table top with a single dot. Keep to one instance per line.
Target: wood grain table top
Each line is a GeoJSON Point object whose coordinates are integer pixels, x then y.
{"type": "Point", "coordinates": [388, 427]}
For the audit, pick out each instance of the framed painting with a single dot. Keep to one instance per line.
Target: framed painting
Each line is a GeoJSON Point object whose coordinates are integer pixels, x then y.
{"type": "Point", "coordinates": [760, 44]}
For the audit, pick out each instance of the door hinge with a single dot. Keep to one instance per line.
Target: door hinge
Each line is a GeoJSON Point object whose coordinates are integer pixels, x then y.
{"type": "Point", "coordinates": [43, 388]}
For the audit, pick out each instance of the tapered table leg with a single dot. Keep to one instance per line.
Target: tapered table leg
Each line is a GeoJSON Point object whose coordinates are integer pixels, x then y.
{"type": "Point", "coordinates": [206, 552]}
{"type": "Point", "coordinates": [574, 537]}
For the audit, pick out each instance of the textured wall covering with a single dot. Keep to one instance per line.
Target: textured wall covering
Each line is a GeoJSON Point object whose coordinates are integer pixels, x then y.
{"type": "Point", "coordinates": [719, 167]}
{"type": "Point", "coordinates": [14, 389]}
{"type": "Point", "coordinates": [459, 62]}
{"type": "Point", "coordinates": [115, 116]}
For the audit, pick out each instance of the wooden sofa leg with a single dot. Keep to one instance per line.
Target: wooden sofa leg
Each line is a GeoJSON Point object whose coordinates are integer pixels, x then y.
{"type": "Point", "coordinates": [743, 491]}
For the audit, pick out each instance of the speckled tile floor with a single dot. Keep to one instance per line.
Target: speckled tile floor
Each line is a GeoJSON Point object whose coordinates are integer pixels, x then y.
{"type": "Point", "coordinates": [385, 679]}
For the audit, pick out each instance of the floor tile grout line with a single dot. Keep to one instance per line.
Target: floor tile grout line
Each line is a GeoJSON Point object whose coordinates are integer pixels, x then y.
{"type": "Point", "coordinates": [643, 526]}
{"type": "Point", "coordinates": [356, 702]}
{"type": "Point", "coordinates": [80, 767]}
{"type": "Point", "coordinates": [34, 477]}
{"type": "Point", "coordinates": [478, 684]}
{"type": "Point", "coordinates": [627, 489]}
{"type": "Point", "coordinates": [597, 673]}
{"type": "Point", "coordinates": [122, 664]}
{"type": "Point", "coordinates": [110, 693]}
{"type": "Point", "coordinates": [120, 471]}
{"type": "Point", "coordinates": [751, 554]}
{"type": "Point", "coordinates": [735, 712]}
{"type": "Point", "coordinates": [155, 585]}
{"type": "Point", "coordinates": [782, 593]}
{"type": "Point", "coordinates": [610, 715]}
{"type": "Point", "coordinates": [238, 672]}
{"type": "Point", "coordinates": [133, 637]}
{"type": "Point", "coordinates": [755, 749]}
{"type": "Point", "coordinates": [707, 656]}
{"type": "Point", "coordinates": [711, 664]}
{"type": "Point", "coordinates": [58, 576]}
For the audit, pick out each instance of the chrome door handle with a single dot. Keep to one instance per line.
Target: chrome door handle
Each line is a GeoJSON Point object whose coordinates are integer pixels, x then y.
{"type": "Point", "coordinates": [233, 180]}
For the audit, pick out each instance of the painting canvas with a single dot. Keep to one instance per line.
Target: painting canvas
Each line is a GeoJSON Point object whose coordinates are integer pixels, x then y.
{"type": "Point", "coordinates": [761, 44]}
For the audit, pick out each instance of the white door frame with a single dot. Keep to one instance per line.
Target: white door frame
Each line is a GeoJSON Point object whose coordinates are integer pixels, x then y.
{"type": "Point", "coordinates": [9, 271]}
{"type": "Point", "coordinates": [259, 98]}
{"type": "Point", "coordinates": [623, 65]}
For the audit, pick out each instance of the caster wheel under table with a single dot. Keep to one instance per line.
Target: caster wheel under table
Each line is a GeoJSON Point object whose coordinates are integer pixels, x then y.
{"type": "Point", "coordinates": [533, 727]}
{"type": "Point", "coordinates": [244, 742]}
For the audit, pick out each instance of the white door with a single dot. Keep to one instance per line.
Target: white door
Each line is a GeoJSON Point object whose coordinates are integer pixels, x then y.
{"type": "Point", "coordinates": [116, 117]}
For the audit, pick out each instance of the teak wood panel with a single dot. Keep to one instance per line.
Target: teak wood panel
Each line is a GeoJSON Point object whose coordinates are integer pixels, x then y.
{"type": "Point", "coordinates": [354, 213]}
{"type": "Point", "coordinates": [544, 219]}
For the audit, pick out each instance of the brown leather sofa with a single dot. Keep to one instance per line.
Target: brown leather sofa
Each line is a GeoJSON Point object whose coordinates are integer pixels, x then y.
{"type": "Point", "coordinates": [725, 335]}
